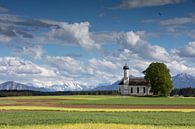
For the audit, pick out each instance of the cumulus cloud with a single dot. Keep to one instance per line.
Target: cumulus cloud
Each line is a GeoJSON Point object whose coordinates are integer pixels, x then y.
{"type": "Point", "coordinates": [91, 72]}
{"type": "Point", "coordinates": [187, 51]}
{"type": "Point", "coordinates": [34, 51]}
{"type": "Point", "coordinates": [180, 67]}
{"type": "Point", "coordinates": [135, 42]}
{"type": "Point", "coordinates": [17, 66]}
{"type": "Point", "coordinates": [143, 48]}
{"type": "Point", "coordinates": [128, 4]}
{"type": "Point", "coordinates": [60, 32]}
{"type": "Point", "coordinates": [31, 31]}
{"type": "Point", "coordinates": [17, 69]}
{"type": "Point", "coordinates": [66, 65]}
{"type": "Point", "coordinates": [76, 33]}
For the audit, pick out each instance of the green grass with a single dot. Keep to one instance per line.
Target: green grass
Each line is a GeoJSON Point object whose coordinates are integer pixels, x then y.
{"type": "Point", "coordinates": [94, 99]}
{"type": "Point", "coordinates": [7, 102]}
{"type": "Point", "coordinates": [22, 118]}
{"type": "Point", "coordinates": [128, 100]}
{"type": "Point", "coordinates": [60, 118]}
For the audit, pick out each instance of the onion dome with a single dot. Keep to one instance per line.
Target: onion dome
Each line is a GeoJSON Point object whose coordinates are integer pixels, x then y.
{"type": "Point", "coordinates": [125, 67]}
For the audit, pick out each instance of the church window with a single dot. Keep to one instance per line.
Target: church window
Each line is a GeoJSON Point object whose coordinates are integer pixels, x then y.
{"type": "Point", "coordinates": [131, 90]}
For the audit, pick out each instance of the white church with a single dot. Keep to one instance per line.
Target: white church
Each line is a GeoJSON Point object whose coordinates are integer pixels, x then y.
{"type": "Point", "coordinates": [133, 85]}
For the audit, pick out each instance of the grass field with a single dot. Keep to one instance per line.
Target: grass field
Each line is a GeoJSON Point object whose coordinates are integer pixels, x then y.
{"type": "Point", "coordinates": [57, 117]}
{"type": "Point", "coordinates": [96, 112]}
{"type": "Point", "coordinates": [92, 99]}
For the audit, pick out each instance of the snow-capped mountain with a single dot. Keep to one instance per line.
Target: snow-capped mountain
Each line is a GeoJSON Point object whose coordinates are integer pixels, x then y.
{"type": "Point", "coordinates": [183, 80]}
{"type": "Point", "coordinates": [180, 81]}
{"type": "Point", "coordinates": [68, 86]}
{"type": "Point", "coordinates": [11, 85]}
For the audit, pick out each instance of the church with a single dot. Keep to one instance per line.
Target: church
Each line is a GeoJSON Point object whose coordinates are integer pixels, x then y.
{"type": "Point", "coordinates": [133, 85]}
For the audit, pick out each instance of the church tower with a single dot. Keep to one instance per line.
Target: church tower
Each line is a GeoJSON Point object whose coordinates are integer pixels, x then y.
{"type": "Point", "coordinates": [126, 75]}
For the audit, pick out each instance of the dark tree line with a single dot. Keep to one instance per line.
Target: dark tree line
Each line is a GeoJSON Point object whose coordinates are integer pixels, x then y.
{"type": "Point", "coordinates": [38, 93]}
{"type": "Point", "coordinates": [186, 92]}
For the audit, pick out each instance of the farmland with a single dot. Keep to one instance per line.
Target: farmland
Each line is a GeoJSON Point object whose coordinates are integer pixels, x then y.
{"type": "Point", "coordinates": [96, 112]}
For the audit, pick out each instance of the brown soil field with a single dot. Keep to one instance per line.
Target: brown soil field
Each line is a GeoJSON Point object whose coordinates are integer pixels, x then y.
{"type": "Point", "coordinates": [50, 103]}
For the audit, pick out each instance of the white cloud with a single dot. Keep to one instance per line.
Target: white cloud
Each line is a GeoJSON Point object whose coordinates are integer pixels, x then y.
{"type": "Point", "coordinates": [76, 33]}
{"type": "Point", "coordinates": [134, 42]}
{"type": "Point", "coordinates": [17, 66]}
{"type": "Point", "coordinates": [178, 21]}
{"type": "Point", "coordinates": [130, 38]}
{"type": "Point", "coordinates": [44, 32]}
{"type": "Point", "coordinates": [187, 51]}
{"type": "Point", "coordinates": [12, 65]}
{"type": "Point", "coordinates": [5, 39]}
{"type": "Point", "coordinates": [180, 67]}
{"type": "Point", "coordinates": [16, 69]}
{"type": "Point", "coordinates": [127, 4]}
{"type": "Point", "coordinates": [66, 65]}
{"type": "Point", "coordinates": [91, 72]}
{"type": "Point", "coordinates": [34, 51]}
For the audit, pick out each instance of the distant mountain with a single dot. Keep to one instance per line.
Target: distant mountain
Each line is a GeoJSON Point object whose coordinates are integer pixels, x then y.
{"type": "Point", "coordinates": [113, 86]}
{"type": "Point", "coordinates": [180, 81]}
{"type": "Point", "coordinates": [11, 85]}
{"type": "Point", "coordinates": [68, 86]}
{"type": "Point", "coordinates": [183, 80]}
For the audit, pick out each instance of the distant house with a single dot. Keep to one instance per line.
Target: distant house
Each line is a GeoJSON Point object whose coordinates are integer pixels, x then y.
{"type": "Point", "coordinates": [133, 85]}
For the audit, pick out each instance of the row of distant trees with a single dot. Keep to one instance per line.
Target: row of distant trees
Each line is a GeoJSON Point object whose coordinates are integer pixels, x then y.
{"type": "Point", "coordinates": [186, 92]}
{"type": "Point", "coordinates": [38, 93]}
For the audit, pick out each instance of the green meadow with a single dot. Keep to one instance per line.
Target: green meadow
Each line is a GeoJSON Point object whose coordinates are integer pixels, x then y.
{"type": "Point", "coordinates": [39, 112]}
{"type": "Point", "coordinates": [97, 99]}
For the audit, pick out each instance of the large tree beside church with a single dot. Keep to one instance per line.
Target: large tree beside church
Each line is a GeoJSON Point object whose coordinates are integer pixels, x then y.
{"type": "Point", "coordinates": [159, 78]}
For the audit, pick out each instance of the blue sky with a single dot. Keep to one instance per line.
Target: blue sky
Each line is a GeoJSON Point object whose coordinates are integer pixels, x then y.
{"type": "Point", "coordinates": [46, 42]}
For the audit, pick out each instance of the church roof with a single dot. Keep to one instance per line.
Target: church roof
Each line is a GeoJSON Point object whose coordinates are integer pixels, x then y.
{"type": "Point", "coordinates": [136, 82]}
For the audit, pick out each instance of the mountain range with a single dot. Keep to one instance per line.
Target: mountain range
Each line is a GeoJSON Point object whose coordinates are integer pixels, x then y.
{"type": "Point", "coordinates": [180, 81]}
{"type": "Point", "coordinates": [183, 80]}
{"type": "Point", "coordinates": [11, 85]}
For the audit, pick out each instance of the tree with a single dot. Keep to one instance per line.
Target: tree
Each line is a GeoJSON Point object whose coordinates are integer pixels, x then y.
{"type": "Point", "coordinates": [159, 78]}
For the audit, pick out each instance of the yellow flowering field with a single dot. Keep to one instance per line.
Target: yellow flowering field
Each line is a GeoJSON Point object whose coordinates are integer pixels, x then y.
{"type": "Point", "coordinates": [88, 109]}
{"type": "Point", "coordinates": [96, 126]}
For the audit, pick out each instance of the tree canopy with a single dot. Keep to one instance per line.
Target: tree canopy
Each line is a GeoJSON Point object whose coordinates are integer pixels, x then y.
{"type": "Point", "coordinates": [159, 79]}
